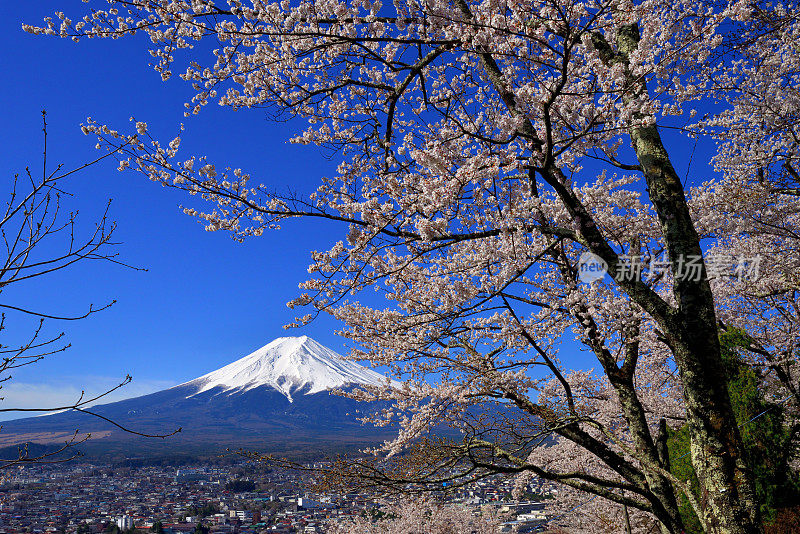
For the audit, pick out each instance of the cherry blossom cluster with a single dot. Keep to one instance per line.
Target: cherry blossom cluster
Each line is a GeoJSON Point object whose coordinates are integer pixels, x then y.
{"type": "Point", "coordinates": [411, 516]}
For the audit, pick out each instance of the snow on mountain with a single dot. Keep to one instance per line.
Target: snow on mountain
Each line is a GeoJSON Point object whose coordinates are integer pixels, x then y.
{"type": "Point", "coordinates": [288, 364]}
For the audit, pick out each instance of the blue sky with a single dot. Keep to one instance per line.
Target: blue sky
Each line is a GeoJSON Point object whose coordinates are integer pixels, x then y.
{"type": "Point", "coordinates": [205, 299]}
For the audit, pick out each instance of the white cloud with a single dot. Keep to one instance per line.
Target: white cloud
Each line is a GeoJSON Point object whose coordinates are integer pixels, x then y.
{"type": "Point", "coordinates": [48, 395]}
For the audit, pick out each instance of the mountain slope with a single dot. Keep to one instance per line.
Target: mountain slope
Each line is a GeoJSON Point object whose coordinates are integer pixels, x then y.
{"type": "Point", "coordinates": [275, 399]}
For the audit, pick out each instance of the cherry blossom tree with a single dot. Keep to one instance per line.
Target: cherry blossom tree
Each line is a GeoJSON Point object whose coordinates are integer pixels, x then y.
{"type": "Point", "coordinates": [423, 515]}
{"type": "Point", "coordinates": [489, 151]}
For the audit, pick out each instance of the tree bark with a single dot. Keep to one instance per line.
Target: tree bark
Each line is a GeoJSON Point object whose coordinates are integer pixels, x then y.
{"type": "Point", "coordinates": [669, 517]}
{"type": "Point", "coordinates": [727, 489]}
{"type": "Point", "coordinates": [627, 519]}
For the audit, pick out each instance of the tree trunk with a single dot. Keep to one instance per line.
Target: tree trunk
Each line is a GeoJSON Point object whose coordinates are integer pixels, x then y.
{"type": "Point", "coordinates": [727, 493]}
{"type": "Point", "coordinates": [727, 489]}
{"type": "Point", "coordinates": [669, 517]}
{"type": "Point", "coordinates": [627, 519]}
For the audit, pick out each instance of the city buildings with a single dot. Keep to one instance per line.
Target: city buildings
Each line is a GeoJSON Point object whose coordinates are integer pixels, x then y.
{"type": "Point", "coordinates": [94, 499]}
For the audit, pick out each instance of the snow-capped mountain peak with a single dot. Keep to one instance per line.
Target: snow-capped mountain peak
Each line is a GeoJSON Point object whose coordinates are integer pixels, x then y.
{"type": "Point", "coordinates": [288, 364]}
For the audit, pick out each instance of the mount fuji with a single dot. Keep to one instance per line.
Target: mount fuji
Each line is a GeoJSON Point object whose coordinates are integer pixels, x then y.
{"type": "Point", "coordinates": [288, 364]}
{"type": "Point", "coordinates": [276, 399]}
